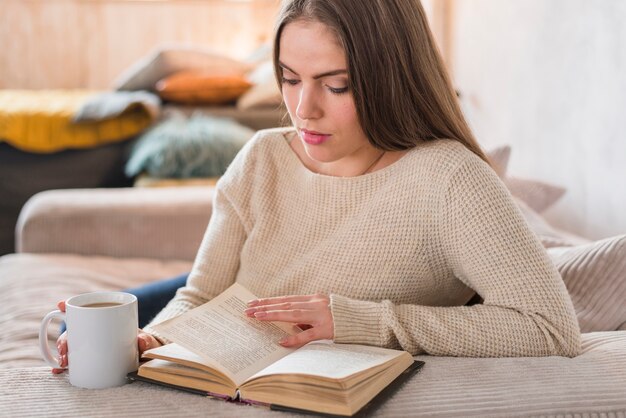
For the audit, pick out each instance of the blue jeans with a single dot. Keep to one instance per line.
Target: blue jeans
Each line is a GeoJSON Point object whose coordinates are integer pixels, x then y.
{"type": "Point", "coordinates": [152, 297]}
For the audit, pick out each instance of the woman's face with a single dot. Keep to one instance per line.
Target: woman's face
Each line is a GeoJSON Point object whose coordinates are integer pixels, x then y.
{"type": "Point", "coordinates": [315, 90]}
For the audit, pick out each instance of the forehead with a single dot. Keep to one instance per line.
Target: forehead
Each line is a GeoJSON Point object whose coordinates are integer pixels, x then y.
{"type": "Point", "coordinates": [310, 47]}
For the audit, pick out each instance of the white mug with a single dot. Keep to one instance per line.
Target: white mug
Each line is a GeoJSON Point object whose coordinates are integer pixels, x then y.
{"type": "Point", "coordinates": [101, 340]}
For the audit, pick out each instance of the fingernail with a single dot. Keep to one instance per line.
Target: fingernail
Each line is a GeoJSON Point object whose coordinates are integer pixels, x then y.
{"type": "Point", "coordinates": [283, 341]}
{"type": "Point", "coordinates": [249, 311]}
{"type": "Point", "coordinates": [260, 314]}
{"type": "Point", "coordinates": [253, 302]}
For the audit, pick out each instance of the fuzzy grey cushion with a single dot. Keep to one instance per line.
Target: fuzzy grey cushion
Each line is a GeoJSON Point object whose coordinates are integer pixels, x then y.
{"type": "Point", "coordinates": [181, 147]}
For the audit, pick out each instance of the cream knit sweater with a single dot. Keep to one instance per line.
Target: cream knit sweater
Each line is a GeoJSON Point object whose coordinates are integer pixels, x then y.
{"type": "Point", "coordinates": [399, 251]}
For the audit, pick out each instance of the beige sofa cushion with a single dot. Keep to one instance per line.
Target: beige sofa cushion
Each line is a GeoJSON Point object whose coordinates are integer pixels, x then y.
{"type": "Point", "coordinates": [31, 284]}
{"type": "Point", "coordinates": [595, 276]}
{"type": "Point", "coordinates": [591, 385]}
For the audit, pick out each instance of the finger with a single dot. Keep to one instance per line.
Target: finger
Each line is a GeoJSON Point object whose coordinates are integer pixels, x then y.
{"type": "Point", "coordinates": [300, 339]}
{"type": "Point", "coordinates": [296, 316]}
{"type": "Point", "coordinates": [62, 343]}
{"type": "Point", "coordinates": [281, 299]}
{"type": "Point", "coordinates": [61, 306]}
{"type": "Point", "coordinates": [146, 342]}
{"type": "Point", "coordinates": [58, 371]}
{"type": "Point", "coordinates": [62, 347]}
{"type": "Point", "coordinates": [285, 306]}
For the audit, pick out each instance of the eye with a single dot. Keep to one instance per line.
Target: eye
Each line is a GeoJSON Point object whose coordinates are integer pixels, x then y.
{"type": "Point", "coordinates": [337, 90]}
{"type": "Point", "coordinates": [291, 82]}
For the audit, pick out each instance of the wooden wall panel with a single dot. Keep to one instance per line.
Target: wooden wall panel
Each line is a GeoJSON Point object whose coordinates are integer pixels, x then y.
{"type": "Point", "coordinates": [87, 43]}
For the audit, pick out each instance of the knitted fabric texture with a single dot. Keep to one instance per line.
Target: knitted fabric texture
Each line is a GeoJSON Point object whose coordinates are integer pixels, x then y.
{"type": "Point", "coordinates": [399, 251]}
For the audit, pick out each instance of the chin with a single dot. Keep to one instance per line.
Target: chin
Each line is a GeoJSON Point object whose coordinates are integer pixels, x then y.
{"type": "Point", "coordinates": [319, 154]}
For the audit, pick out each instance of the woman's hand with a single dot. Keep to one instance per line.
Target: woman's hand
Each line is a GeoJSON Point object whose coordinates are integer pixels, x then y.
{"type": "Point", "coordinates": [144, 342]}
{"type": "Point", "coordinates": [311, 313]}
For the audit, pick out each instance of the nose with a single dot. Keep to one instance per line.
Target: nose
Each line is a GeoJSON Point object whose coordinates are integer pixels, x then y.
{"type": "Point", "coordinates": [308, 105]}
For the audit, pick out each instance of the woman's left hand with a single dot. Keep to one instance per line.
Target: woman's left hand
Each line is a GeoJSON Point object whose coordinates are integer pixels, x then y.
{"type": "Point", "coordinates": [311, 313]}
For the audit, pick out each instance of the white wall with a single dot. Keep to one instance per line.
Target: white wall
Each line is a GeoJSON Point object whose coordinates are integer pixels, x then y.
{"type": "Point", "coordinates": [549, 78]}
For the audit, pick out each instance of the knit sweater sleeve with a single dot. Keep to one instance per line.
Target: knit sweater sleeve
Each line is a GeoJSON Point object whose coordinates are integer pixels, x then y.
{"type": "Point", "coordinates": [486, 243]}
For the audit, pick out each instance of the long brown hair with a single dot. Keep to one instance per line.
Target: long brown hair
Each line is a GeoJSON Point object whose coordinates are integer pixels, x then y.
{"type": "Point", "coordinates": [401, 89]}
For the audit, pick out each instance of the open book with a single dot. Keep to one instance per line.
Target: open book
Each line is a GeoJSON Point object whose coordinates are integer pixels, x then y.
{"type": "Point", "coordinates": [220, 351]}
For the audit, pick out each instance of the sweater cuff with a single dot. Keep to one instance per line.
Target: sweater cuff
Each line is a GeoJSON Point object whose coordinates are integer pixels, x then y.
{"type": "Point", "coordinates": [356, 321]}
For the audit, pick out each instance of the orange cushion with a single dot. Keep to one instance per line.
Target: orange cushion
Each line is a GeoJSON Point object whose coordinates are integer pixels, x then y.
{"type": "Point", "coordinates": [197, 87]}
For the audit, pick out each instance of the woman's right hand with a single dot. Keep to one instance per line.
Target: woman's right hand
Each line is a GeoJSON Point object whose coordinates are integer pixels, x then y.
{"type": "Point", "coordinates": [144, 342]}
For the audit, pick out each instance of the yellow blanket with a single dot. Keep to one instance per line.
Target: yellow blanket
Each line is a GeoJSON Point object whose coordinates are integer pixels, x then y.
{"type": "Point", "coordinates": [41, 121]}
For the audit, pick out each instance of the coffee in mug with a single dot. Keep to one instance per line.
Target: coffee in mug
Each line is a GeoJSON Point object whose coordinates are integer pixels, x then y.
{"type": "Point", "coordinates": [101, 305]}
{"type": "Point", "coordinates": [101, 338]}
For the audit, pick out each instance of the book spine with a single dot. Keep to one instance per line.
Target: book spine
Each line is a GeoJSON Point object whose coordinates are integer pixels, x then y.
{"type": "Point", "coordinates": [249, 401]}
{"type": "Point", "coordinates": [223, 397]}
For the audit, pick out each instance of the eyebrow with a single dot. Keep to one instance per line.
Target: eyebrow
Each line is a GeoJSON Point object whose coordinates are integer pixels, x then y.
{"type": "Point", "coordinates": [318, 76]}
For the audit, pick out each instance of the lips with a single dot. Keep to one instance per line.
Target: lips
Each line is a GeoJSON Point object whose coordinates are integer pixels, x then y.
{"type": "Point", "coordinates": [313, 137]}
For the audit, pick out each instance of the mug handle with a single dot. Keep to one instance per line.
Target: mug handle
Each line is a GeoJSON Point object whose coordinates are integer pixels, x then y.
{"type": "Point", "coordinates": [43, 338]}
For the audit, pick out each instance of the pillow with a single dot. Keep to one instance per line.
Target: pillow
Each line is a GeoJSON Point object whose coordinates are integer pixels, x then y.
{"type": "Point", "coordinates": [180, 147]}
{"type": "Point", "coordinates": [499, 158]}
{"type": "Point", "coordinates": [262, 53]}
{"type": "Point", "coordinates": [164, 61]}
{"type": "Point", "coordinates": [548, 235]}
{"type": "Point", "coordinates": [200, 87]}
{"type": "Point", "coordinates": [264, 93]}
{"type": "Point", "coordinates": [595, 276]}
{"type": "Point", "coordinates": [538, 195]}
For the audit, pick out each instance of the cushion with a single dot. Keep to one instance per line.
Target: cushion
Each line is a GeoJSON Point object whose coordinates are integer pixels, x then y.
{"type": "Point", "coordinates": [201, 87]}
{"type": "Point", "coordinates": [591, 385]}
{"type": "Point", "coordinates": [167, 60]}
{"type": "Point", "coordinates": [260, 54]}
{"type": "Point", "coordinates": [538, 195]}
{"type": "Point", "coordinates": [595, 276]}
{"type": "Point", "coordinates": [499, 158]}
{"type": "Point", "coordinates": [533, 197]}
{"type": "Point", "coordinates": [181, 147]}
{"type": "Point", "coordinates": [548, 235]}
{"type": "Point", "coordinates": [265, 92]}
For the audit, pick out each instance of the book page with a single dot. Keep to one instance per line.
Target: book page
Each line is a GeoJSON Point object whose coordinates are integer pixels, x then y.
{"type": "Point", "coordinates": [327, 359]}
{"type": "Point", "coordinates": [175, 351]}
{"type": "Point", "coordinates": [226, 338]}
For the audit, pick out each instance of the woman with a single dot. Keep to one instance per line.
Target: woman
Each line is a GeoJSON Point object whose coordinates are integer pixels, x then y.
{"type": "Point", "coordinates": [376, 218]}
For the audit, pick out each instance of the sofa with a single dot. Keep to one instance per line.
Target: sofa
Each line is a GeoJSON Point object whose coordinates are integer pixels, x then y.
{"type": "Point", "coordinates": [82, 240]}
